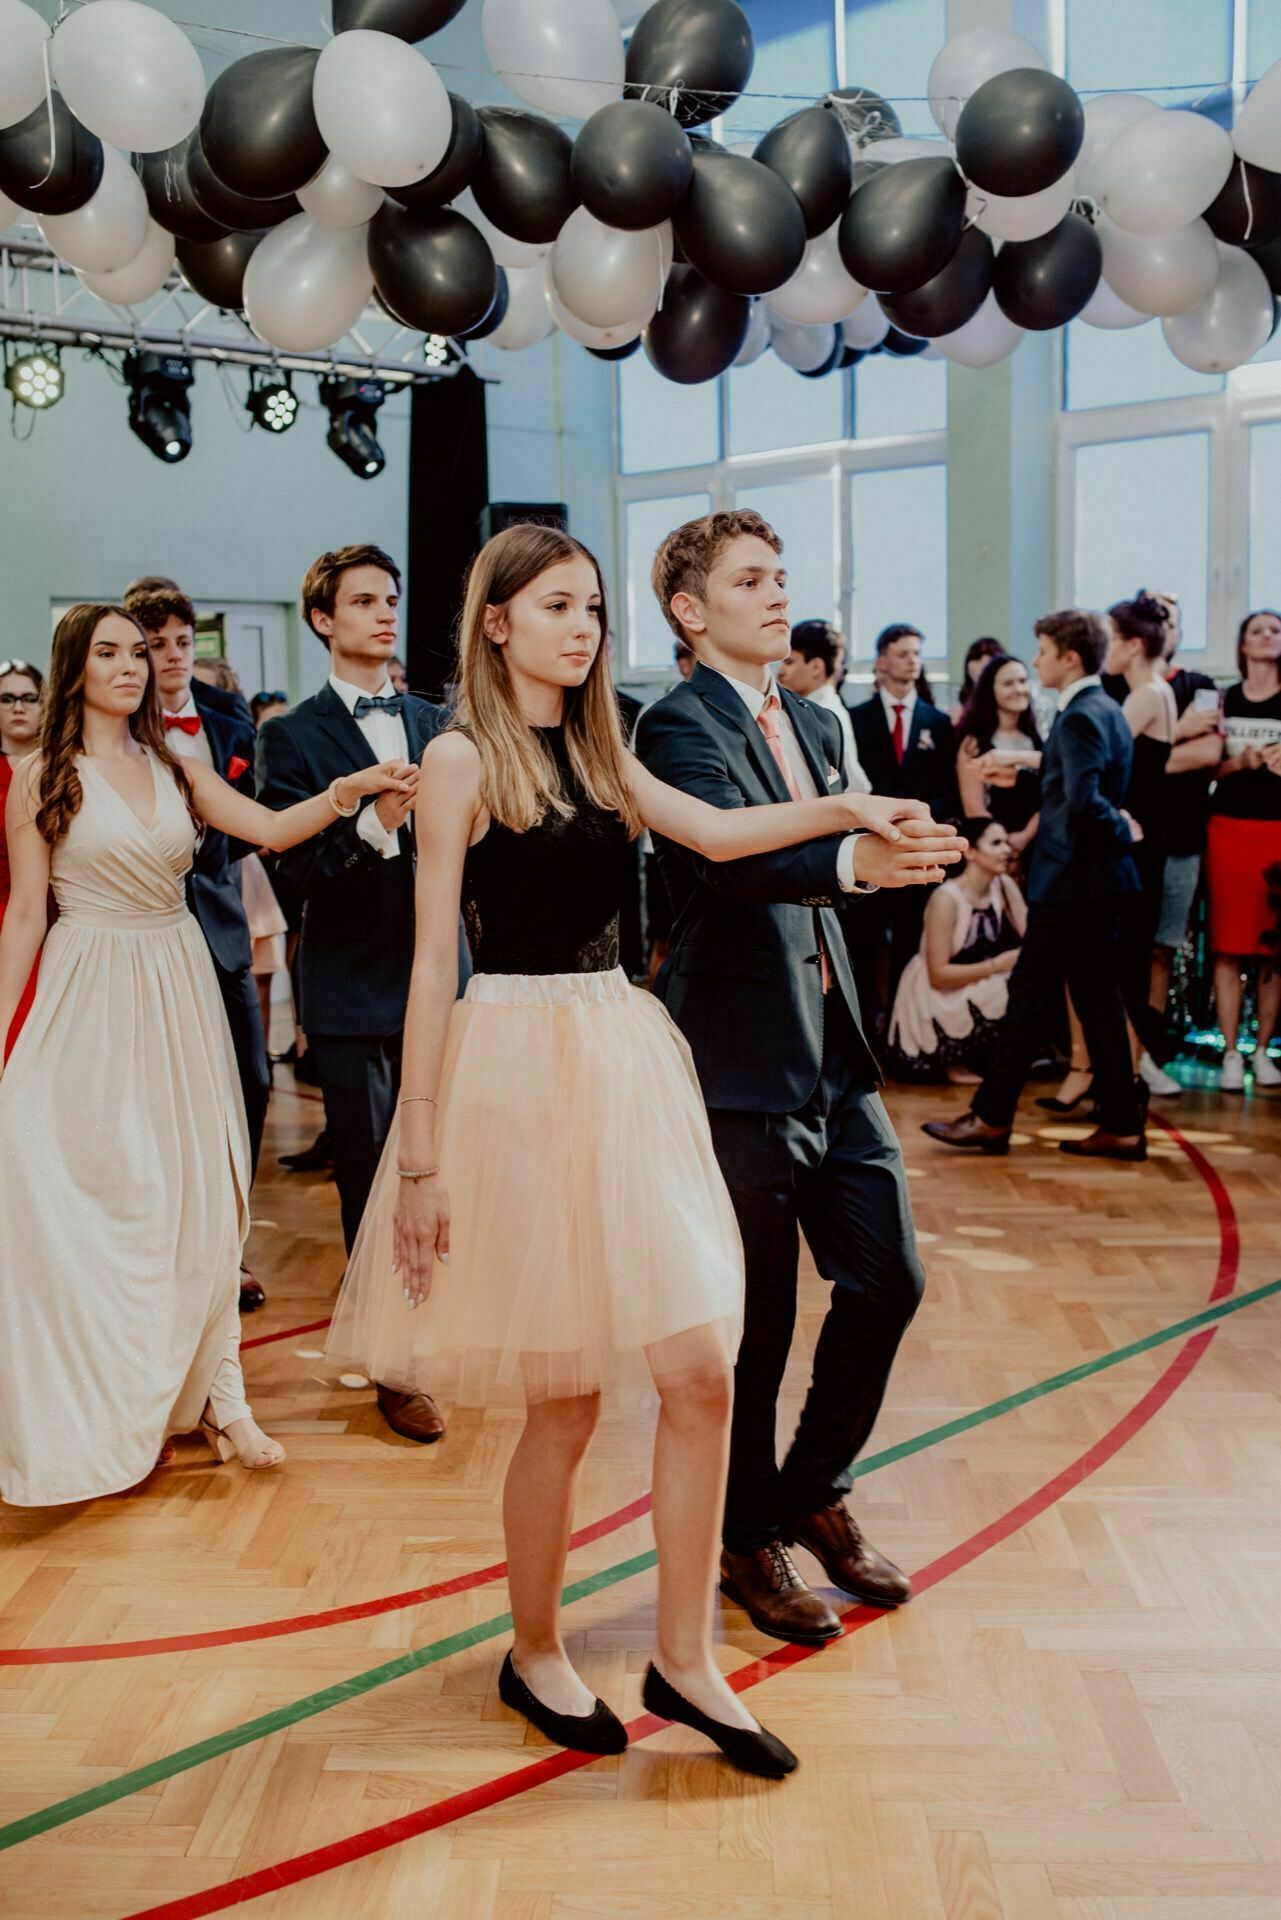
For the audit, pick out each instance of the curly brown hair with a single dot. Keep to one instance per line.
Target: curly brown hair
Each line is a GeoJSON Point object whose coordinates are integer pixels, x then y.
{"type": "Point", "coordinates": [151, 605]}
{"type": "Point", "coordinates": [62, 734]}
{"type": "Point", "coordinates": [687, 556]}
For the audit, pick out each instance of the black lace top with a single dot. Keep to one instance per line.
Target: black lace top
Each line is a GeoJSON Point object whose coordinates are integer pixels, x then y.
{"type": "Point", "coordinates": [547, 901]}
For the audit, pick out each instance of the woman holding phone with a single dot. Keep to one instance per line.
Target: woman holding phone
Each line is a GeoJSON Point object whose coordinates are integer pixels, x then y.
{"type": "Point", "coordinates": [998, 763]}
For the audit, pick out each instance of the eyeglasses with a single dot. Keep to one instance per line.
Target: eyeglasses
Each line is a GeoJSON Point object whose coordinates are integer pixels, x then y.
{"type": "Point", "coordinates": [19, 699]}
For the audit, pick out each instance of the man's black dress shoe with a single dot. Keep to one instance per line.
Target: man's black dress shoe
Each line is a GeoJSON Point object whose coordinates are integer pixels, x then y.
{"type": "Point", "coordinates": [252, 1295]}
{"type": "Point", "coordinates": [600, 1731]}
{"type": "Point", "coordinates": [313, 1159]}
{"type": "Point", "coordinates": [751, 1750]}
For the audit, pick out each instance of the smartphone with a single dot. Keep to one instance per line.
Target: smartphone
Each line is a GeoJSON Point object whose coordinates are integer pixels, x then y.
{"type": "Point", "coordinates": [1206, 700]}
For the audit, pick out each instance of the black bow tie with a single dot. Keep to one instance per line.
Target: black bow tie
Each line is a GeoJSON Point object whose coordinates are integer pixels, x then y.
{"type": "Point", "coordinates": [375, 703]}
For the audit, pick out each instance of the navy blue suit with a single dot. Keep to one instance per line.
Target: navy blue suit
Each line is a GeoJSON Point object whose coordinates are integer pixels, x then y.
{"type": "Point", "coordinates": [799, 1128]}
{"type": "Point", "coordinates": [1081, 871]}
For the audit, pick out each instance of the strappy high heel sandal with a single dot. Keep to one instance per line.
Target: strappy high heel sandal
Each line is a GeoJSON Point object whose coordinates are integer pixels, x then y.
{"type": "Point", "coordinates": [272, 1455]}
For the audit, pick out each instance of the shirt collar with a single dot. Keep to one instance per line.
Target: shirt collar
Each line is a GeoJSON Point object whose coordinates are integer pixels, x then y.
{"type": "Point", "coordinates": [349, 694]}
{"type": "Point", "coordinates": [1068, 694]}
{"type": "Point", "coordinates": [189, 711]}
{"type": "Point", "coordinates": [752, 697]}
{"type": "Point", "coordinates": [907, 702]}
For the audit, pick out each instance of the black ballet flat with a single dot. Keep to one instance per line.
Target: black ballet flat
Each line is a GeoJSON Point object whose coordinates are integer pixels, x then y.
{"type": "Point", "coordinates": [750, 1751]}
{"type": "Point", "coordinates": [600, 1731]}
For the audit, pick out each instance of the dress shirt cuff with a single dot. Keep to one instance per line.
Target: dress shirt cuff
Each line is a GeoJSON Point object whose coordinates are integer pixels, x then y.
{"type": "Point", "coordinates": [845, 867]}
{"type": "Point", "coordinates": [371, 830]}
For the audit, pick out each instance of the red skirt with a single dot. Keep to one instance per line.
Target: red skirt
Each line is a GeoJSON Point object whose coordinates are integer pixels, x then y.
{"type": "Point", "coordinates": [1238, 854]}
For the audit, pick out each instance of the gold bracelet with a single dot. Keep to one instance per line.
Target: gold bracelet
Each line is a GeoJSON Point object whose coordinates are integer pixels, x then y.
{"type": "Point", "coordinates": [420, 1173]}
{"type": "Point", "coordinates": [337, 805]}
{"type": "Point", "coordinates": [416, 1099]}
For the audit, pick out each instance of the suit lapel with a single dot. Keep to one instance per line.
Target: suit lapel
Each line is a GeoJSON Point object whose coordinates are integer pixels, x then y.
{"type": "Point", "coordinates": [804, 718]}
{"type": "Point", "coordinates": [718, 693]}
{"type": "Point", "coordinates": [339, 727]}
{"type": "Point", "coordinates": [416, 714]}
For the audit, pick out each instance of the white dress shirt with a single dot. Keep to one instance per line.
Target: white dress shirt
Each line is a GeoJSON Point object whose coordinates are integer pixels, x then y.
{"type": "Point", "coordinates": [189, 746]}
{"type": "Point", "coordinates": [385, 733]}
{"type": "Point", "coordinates": [907, 701]}
{"type": "Point", "coordinates": [754, 700]}
{"type": "Point", "coordinates": [830, 700]}
{"type": "Point", "coordinates": [1068, 694]}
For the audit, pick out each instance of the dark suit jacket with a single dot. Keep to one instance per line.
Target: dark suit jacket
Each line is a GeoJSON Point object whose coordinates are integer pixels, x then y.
{"type": "Point", "coordinates": [1082, 849]}
{"type": "Point", "coordinates": [219, 700]}
{"type": "Point", "coordinates": [928, 771]}
{"type": "Point", "coordinates": [213, 885]}
{"type": "Point", "coordinates": [357, 944]}
{"type": "Point", "coordinates": [745, 986]}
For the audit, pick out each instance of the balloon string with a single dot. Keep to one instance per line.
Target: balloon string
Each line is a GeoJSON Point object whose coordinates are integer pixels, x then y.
{"type": "Point", "coordinates": [1249, 204]}
{"type": "Point", "coordinates": [53, 124]}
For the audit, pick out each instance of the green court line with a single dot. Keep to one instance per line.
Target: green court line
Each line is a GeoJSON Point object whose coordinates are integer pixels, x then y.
{"type": "Point", "coordinates": [62, 1812]}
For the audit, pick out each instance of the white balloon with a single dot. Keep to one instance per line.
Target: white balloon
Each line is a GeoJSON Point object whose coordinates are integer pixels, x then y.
{"type": "Point", "coordinates": [1106, 118]}
{"type": "Point", "coordinates": [335, 198]}
{"type": "Point", "coordinates": [605, 276]}
{"type": "Point", "coordinates": [110, 228]}
{"type": "Point", "coordinates": [381, 107]}
{"type": "Point", "coordinates": [1164, 171]}
{"type": "Point", "coordinates": [1257, 134]}
{"type": "Point", "coordinates": [129, 74]}
{"type": "Point", "coordinates": [528, 318]}
{"type": "Point", "coordinates": [306, 285]}
{"type": "Point", "coordinates": [966, 62]}
{"type": "Point", "coordinates": [1229, 327]}
{"type": "Point", "coordinates": [620, 335]}
{"type": "Point", "coordinates": [820, 290]}
{"type": "Point", "coordinates": [1160, 273]}
{"type": "Point", "coordinates": [867, 327]}
{"type": "Point", "coordinates": [1026, 216]}
{"type": "Point", "coordinates": [533, 48]}
{"type": "Point", "coordinates": [1105, 308]}
{"type": "Point", "coordinates": [758, 330]}
{"type": "Point", "coordinates": [22, 38]}
{"type": "Point", "coordinates": [506, 251]}
{"type": "Point", "coordinates": [805, 348]}
{"type": "Point", "coordinates": [988, 337]}
{"type": "Point", "coordinates": [140, 277]}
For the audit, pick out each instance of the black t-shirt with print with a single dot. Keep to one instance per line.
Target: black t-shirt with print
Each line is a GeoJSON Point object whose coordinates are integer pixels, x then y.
{"type": "Point", "coordinates": [1256, 794]}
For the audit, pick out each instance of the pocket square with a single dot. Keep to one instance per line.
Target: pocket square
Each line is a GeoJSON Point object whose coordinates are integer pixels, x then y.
{"type": "Point", "coordinates": [236, 766]}
{"type": "Point", "coordinates": [925, 740]}
{"type": "Point", "coordinates": [832, 776]}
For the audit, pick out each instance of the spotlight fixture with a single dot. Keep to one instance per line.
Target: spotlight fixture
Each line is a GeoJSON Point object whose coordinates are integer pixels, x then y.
{"type": "Point", "coordinates": [160, 402]}
{"type": "Point", "coordinates": [35, 379]}
{"type": "Point", "coordinates": [437, 351]}
{"type": "Point", "coordinates": [273, 403]}
{"type": "Point", "coordinates": [353, 416]}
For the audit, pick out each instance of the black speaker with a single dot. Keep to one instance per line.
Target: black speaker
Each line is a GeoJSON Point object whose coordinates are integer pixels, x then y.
{"type": "Point", "coordinates": [448, 486]}
{"type": "Point", "coordinates": [498, 515]}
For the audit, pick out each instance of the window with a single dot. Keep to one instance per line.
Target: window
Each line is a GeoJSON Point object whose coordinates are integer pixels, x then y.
{"type": "Point", "coordinates": [771, 406]}
{"type": "Point", "coordinates": [894, 396]}
{"type": "Point", "coordinates": [795, 56]}
{"type": "Point", "coordinates": [1176, 50]}
{"type": "Point", "coordinates": [1265, 498]}
{"type": "Point", "coordinates": [1264, 38]}
{"type": "Point", "coordinates": [899, 527]}
{"type": "Point", "coordinates": [662, 424]}
{"type": "Point", "coordinates": [1142, 520]}
{"type": "Point", "coordinates": [803, 514]}
{"type": "Point", "coordinates": [1106, 369]}
{"type": "Point", "coordinates": [889, 46]}
{"type": "Point", "coordinates": [649, 639]}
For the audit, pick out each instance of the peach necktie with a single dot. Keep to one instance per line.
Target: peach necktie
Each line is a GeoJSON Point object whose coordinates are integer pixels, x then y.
{"type": "Point", "coordinates": [767, 720]}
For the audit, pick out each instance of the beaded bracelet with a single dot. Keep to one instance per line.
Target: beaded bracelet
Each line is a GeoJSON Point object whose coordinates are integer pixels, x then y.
{"type": "Point", "coordinates": [336, 803]}
{"type": "Point", "coordinates": [421, 1173]}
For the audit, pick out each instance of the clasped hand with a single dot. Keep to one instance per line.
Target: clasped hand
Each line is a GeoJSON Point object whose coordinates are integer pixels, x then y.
{"type": "Point", "coordinates": [420, 1235]}
{"type": "Point", "coordinates": [397, 777]}
{"type": "Point", "coordinates": [902, 846]}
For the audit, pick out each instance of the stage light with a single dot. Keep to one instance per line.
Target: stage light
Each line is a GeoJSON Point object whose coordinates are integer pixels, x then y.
{"type": "Point", "coordinates": [437, 351]}
{"type": "Point", "coordinates": [273, 403]}
{"type": "Point", "coordinates": [35, 379]}
{"type": "Point", "coordinates": [353, 417]}
{"type": "Point", "coordinates": [160, 402]}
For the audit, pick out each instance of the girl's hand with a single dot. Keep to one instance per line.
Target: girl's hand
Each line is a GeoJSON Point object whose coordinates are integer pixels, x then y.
{"type": "Point", "coordinates": [421, 1235]}
{"type": "Point", "coordinates": [390, 776]}
{"type": "Point", "coordinates": [874, 813]}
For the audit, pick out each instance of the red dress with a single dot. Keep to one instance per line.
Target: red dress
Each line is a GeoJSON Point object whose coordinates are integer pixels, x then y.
{"type": "Point", "coordinates": [24, 1005]}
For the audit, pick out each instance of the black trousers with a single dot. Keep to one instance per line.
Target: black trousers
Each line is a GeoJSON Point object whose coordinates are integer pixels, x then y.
{"type": "Point", "coordinates": [1078, 944]}
{"type": "Point", "coordinates": [239, 992]}
{"type": "Point", "coordinates": [360, 1082]}
{"type": "Point", "coordinates": [833, 1170]}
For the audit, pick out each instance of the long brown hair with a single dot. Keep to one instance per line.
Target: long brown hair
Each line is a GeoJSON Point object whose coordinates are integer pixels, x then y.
{"type": "Point", "coordinates": [62, 734]}
{"type": "Point", "coordinates": [519, 781]}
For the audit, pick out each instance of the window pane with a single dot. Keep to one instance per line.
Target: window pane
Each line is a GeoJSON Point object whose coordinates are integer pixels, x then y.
{"type": "Point", "coordinates": [893, 396]}
{"type": "Point", "coordinates": [665, 425]}
{"type": "Point", "coordinates": [1143, 520]}
{"type": "Point", "coordinates": [1150, 45]}
{"type": "Point", "coordinates": [794, 56]}
{"type": "Point", "coordinates": [899, 524]}
{"type": "Point", "coordinates": [772, 406]}
{"type": "Point", "coordinates": [889, 45]}
{"type": "Point", "coordinates": [1265, 492]}
{"type": "Point", "coordinates": [649, 639]}
{"type": "Point", "coordinates": [803, 513]}
{"type": "Point", "coordinates": [1112, 369]}
{"type": "Point", "coordinates": [1265, 37]}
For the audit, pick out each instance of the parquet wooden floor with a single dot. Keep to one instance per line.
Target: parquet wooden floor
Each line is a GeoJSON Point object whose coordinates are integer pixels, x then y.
{"type": "Point", "coordinates": [1080, 1719]}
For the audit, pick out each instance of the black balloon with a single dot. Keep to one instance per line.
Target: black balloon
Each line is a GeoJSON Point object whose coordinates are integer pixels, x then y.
{"type": "Point", "coordinates": [865, 116]}
{"type": "Point", "coordinates": [833, 363]}
{"type": "Point", "coordinates": [258, 130]}
{"type": "Point", "coordinates": [810, 152]}
{"type": "Point", "coordinates": [433, 269]}
{"type": "Point", "coordinates": [234, 211]}
{"type": "Point", "coordinates": [497, 313]}
{"type": "Point", "coordinates": [952, 297]}
{"type": "Point", "coordinates": [903, 346]}
{"type": "Point", "coordinates": [698, 331]}
{"type": "Point", "coordinates": [524, 183]}
{"type": "Point", "coordinates": [1268, 256]}
{"type": "Point", "coordinates": [903, 224]}
{"type": "Point", "coordinates": [1019, 132]}
{"type": "Point", "coordinates": [1044, 283]}
{"type": "Point", "coordinates": [632, 165]}
{"type": "Point", "coordinates": [407, 19]}
{"type": "Point", "coordinates": [50, 176]}
{"type": "Point", "coordinates": [850, 356]}
{"type": "Point", "coordinates": [215, 269]}
{"type": "Point", "coordinates": [173, 205]}
{"type": "Point", "coordinates": [693, 57]}
{"type": "Point", "coordinates": [1247, 208]}
{"type": "Point", "coordinates": [458, 168]}
{"type": "Point", "coordinates": [740, 225]}
{"type": "Point", "coordinates": [616, 353]}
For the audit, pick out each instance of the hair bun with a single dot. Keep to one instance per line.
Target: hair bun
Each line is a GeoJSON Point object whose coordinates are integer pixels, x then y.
{"type": "Point", "coordinates": [1148, 607]}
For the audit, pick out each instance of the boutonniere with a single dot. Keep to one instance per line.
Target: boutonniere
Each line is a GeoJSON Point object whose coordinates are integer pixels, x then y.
{"type": "Point", "coordinates": [235, 767]}
{"type": "Point", "coordinates": [925, 740]}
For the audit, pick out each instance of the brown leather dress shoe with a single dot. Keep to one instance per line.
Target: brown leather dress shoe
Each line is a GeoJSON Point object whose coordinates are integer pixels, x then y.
{"type": "Point", "coordinates": [969, 1132]}
{"type": "Point", "coordinates": [776, 1600]}
{"type": "Point", "coordinates": [252, 1295]}
{"type": "Point", "coordinates": [413, 1415]}
{"type": "Point", "coordinates": [1107, 1146]}
{"type": "Point", "coordinates": [836, 1540]}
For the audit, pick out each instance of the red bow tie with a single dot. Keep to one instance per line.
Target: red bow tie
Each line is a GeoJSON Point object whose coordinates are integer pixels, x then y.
{"type": "Point", "coordinates": [185, 723]}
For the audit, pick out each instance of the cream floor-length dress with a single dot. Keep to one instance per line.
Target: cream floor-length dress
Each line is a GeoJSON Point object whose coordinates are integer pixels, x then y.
{"type": "Point", "coordinates": [123, 1169]}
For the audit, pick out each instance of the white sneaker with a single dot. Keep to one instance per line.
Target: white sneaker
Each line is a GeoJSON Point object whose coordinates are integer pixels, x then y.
{"type": "Point", "coordinates": [1232, 1078]}
{"type": "Point", "coordinates": [1156, 1079]}
{"type": "Point", "coordinates": [1267, 1073]}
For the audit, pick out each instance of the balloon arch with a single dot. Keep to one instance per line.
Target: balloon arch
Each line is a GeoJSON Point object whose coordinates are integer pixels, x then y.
{"type": "Point", "coordinates": [303, 183]}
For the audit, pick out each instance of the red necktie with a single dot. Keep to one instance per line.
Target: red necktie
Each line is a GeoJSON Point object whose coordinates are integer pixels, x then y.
{"type": "Point", "coordinates": [900, 744]}
{"type": "Point", "coordinates": [767, 720]}
{"type": "Point", "coordinates": [185, 723]}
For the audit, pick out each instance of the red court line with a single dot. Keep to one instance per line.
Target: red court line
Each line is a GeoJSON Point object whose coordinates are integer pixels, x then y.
{"type": "Point", "coordinates": [286, 1333]}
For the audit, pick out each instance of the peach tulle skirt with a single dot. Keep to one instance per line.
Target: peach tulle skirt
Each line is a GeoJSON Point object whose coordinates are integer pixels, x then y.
{"type": "Point", "coordinates": [590, 1224]}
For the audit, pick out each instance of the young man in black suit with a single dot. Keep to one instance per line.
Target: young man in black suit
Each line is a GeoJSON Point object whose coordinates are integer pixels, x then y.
{"type": "Point", "coordinates": [200, 727]}
{"type": "Point", "coordinates": [761, 987]}
{"type": "Point", "coordinates": [356, 881]}
{"type": "Point", "coordinates": [1082, 867]}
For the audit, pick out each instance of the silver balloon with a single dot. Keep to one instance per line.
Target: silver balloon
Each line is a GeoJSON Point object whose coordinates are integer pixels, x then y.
{"type": "Point", "coordinates": [22, 42]}
{"type": "Point", "coordinates": [306, 286]}
{"type": "Point", "coordinates": [129, 74]}
{"type": "Point", "coordinates": [867, 327]}
{"type": "Point", "coordinates": [1229, 327]}
{"type": "Point", "coordinates": [820, 290]}
{"type": "Point", "coordinates": [528, 318]}
{"type": "Point", "coordinates": [983, 341]}
{"type": "Point", "coordinates": [336, 198]}
{"type": "Point", "coordinates": [966, 62]}
{"type": "Point", "coordinates": [620, 335]}
{"type": "Point", "coordinates": [381, 107]}
{"type": "Point", "coordinates": [140, 277]}
{"type": "Point", "coordinates": [604, 275]}
{"type": "Point", "coordinates": [805, 348]}
{"type": "Point", "coordinates": [110, 228]}
{"type": "Point", "coordinates": [1257, 134]}
{"type": "Point", "coordinates": [1106, 309]}
{"type": "Point", "coordinates": [1160, 273]}
{"type": "Point", "coordinates": [1106, 118]}
{"type": "Point", "coordinates": [533, 48]}
{"type": "Point", "coordinates": [758, 331]}
{"type": "Point", "coordinates": [1164, 170]}
{"type": "Point", "coordinates": [1024, 217]}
